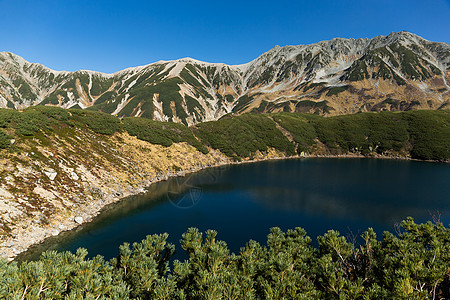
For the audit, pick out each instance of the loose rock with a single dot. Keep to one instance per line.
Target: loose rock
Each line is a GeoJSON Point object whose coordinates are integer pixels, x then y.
{"type": "Point", "coordinates": [51, 174]}
{"type": "Point", "coordinates": [74, 176]}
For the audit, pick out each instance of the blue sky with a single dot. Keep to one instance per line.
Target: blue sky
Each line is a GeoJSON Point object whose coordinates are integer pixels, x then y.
{"type": "Point", "coordinates": [108, 36]}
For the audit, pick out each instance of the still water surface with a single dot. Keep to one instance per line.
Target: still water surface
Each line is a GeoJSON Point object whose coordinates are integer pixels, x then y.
{"type": "Point", "coordinates": [243, 202]}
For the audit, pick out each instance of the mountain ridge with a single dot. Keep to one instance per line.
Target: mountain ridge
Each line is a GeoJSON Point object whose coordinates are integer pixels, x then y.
{"type": "Point", "coordinates": [400, 71]}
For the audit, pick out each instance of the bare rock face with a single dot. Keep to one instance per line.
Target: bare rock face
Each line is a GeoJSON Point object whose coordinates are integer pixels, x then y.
{"type": "Point", "coordinates": [401, 71]}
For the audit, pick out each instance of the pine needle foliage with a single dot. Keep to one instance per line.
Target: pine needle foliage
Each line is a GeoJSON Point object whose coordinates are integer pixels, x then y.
{"type": "Point", "coordinates": [412, 264]}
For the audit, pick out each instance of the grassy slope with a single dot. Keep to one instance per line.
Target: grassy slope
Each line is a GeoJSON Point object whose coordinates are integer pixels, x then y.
{"type": "Point", "coordinates": [417, 134]}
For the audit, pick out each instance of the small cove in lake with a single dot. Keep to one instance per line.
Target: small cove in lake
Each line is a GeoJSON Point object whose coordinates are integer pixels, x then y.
{"type": "Point", "coordinates": [244, 201]}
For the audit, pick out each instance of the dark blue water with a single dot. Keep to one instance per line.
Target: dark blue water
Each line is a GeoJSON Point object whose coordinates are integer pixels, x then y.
{"type": "Point", "coordinates": [243, 202]}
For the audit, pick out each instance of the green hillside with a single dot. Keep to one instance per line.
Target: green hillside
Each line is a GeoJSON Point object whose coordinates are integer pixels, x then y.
{"type": "Point", "coordinates": [421, 134]}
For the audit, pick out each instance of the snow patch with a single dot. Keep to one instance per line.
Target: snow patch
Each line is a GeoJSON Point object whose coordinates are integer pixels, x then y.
{"type": "Point", "coordinates": [177, 69]}
{"type": "Point", "coordinates": [121, 105]}
{"type": "Point", "coordinates": [423, 86]}
{"type": "Point", "coordinates": [132, 84]}
{"type": "Point", "coordinates": [198, 62]}
{"type": "Point", "coordinates": [3, 102]}
{"type": "Point", "coordinates": [158, 110]}
{"type": "Point", "coordinates": [170, 64]}
{"type": "Point", "coordinates": [71, 96]}
{"type": "Point", "coordinates": [90, 84]}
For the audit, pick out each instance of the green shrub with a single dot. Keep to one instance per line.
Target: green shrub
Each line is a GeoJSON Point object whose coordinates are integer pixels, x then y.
{"type": "Point", "coordinates": [336, 90]}
{"type": "Point", "coordinates": [314, 85]}
{"type": "Point", "coordinates": [30, 121]}
{"type": "Point", "coordinates": [161, 133]}
{"type": "Point", "coordinates": [421, 134]}
{"type": "Point", "coordinates": [382, 132]}
{"type": "Point", "coordinates": [303, 132]}
{"type": "Point", "coordinates": [430, 134]}
{"type": "Point", "coordinates": [53, 112]}
{"type": "Point", "coordinates": [243, 135]}
{"type": "Point", "coordinates": [414, 264]}
{"type": "Point", "coordinates": [242, 102]}
{"type": "Point", "coordinates": [4, 140]}
{"type": "Point", "coordinates": [358, 71]}
{"type": "Point", "coordinates": [6, 116]}
{"type": "Point", "coordinates": [97, 121]}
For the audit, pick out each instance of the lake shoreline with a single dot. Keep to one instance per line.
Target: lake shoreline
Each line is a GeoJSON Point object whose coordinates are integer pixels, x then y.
{"type": "Point", "coordinates": [24, 242]}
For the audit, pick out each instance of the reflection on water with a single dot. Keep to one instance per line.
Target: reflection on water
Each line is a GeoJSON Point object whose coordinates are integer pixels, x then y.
{"type": "Point", "coordinates": [243, 201]}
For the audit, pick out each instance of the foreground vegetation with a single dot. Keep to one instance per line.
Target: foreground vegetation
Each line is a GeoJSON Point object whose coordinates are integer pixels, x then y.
{"type": "Point", "coordinates": [413, 264]}
{"type": "Point", "coordinates": [417, 134]}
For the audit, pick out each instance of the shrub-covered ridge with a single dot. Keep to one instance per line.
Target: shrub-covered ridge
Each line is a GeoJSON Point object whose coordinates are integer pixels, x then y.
{"type": "Point", "coordinates": [416, 134]}
{"type": "Point", "coordinates": [415, 264]}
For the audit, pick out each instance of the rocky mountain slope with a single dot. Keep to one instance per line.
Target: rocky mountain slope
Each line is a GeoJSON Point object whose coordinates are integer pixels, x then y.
{"type": "Point", "coordinates": [401, 71]}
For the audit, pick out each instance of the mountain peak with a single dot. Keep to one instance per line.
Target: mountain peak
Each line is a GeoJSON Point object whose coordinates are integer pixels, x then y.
{"type": "Point", "coordinates": [403, 37]}
{"type": "Point", "coordinates": [196, 61]}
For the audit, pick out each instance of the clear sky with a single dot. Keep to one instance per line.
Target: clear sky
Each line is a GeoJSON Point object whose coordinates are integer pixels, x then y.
{"type": "Point", "coordinates": [111, 35]}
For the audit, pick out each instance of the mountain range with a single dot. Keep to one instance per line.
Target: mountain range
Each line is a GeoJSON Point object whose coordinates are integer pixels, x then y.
{"type": "Point", "coordinates": [401, 71]}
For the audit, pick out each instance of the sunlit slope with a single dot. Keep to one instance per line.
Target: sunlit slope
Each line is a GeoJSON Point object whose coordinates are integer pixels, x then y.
{"type": "Point", "coordinates": [398, 72]}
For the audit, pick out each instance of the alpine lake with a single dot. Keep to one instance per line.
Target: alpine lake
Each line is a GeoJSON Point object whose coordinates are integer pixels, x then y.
{"type": "Point", "coordinates": [243, 201]}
